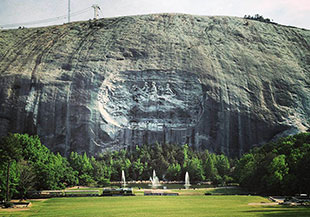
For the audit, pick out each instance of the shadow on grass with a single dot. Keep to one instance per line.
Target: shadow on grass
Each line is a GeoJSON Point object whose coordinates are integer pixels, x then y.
{"type": "Point", "coordinates": [282, 211]}
{"type": "Point", "coordinates": [228, 191]}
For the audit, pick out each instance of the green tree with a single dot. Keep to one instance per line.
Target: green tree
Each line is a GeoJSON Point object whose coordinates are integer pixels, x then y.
{"type": "Point", "coordinates": [245, 171]}
{"type": "Point", "coordinates": [302, 171]}
{"type": "Point", "coordinates": [173, 172]}
{"type": "Point", "coordinates": [279, 167]}
{"type": "Point", "coordinates": [69, 176]}
{"type": "Point", "coordinates": [10, 151]}
{"type": "Point", "coordinates": [26, 179]}
{"type": "Point", "coordinates": [100, 172]}
{"type": "Point", "coordinates": [137, 169]}
{"type": "Point", "coordinates": [277, 170]}
{"type": "Point", "coordinates": [222, 165]}
{"type": "Point", "coordinates": [195, 169]}
{"type": "Point", "coordinates": [209, 168]}
{"type": "Point", "coordinates": [82, 164]}
{"type": "Point", "coordinates": [185, 155]}
{"type": "Point", "coordinates": [28, 158]}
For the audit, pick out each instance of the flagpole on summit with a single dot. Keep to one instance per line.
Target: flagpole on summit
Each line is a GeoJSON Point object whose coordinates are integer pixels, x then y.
{"type": "Point", "coordinates": [96, 11]}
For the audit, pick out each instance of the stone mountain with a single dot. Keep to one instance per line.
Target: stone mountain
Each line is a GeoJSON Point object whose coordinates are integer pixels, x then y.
{"type": "Point", "coordinates": [220, 83]}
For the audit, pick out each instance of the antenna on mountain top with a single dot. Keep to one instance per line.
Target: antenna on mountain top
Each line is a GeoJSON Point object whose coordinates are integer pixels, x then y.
{"type": "Point", "coordinates": [96, 9]}
{"type": "Point", "coordinates": [68, 11]}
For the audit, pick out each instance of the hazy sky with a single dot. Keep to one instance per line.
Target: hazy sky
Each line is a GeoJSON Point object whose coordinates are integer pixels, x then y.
{"type": "Point", "coordinates": [288, 12]}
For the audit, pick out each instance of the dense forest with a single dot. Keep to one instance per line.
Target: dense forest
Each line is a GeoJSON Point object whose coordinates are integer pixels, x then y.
{"type": "Point", "coordinates": [281, 167]}
{"type": "Point", "coordinates": [28, 165]}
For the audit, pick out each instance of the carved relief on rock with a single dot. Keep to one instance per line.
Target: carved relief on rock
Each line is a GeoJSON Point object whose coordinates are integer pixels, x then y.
{"type": "Point", "coordinates": [150, 100]}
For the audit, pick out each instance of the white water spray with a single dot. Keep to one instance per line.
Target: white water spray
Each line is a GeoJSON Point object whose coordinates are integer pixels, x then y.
{"type": "Point", "coordinates": [155, 180]}
{"type": "Point", "coordinates": [123, 179]}
{"type": "Point", "coordinates": [187, 183]}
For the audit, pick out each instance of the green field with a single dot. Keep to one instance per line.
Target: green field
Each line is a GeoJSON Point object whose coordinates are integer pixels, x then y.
{"type": "Point", "coordinates": [197, 205]}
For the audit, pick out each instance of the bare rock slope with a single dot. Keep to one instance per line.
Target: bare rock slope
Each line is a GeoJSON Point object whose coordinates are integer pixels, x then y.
{"type": "Point", "coordinates": [218, 83]}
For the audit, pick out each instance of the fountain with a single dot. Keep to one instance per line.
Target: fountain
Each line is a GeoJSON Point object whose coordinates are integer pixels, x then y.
{"type": "Point", "coordinates": [155, 180]}
{"type": "Point", "coordinates": [187, 184]}
{"type": "Point", "coordinates": [123, 179]}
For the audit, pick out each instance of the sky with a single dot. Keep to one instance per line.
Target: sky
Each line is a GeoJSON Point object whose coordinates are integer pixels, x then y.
{"type": "Point", "coordinates": [30, 13]}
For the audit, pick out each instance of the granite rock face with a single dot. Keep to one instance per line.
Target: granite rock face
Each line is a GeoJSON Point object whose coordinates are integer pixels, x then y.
{"type": "Point", "coordinates": [218, 83]}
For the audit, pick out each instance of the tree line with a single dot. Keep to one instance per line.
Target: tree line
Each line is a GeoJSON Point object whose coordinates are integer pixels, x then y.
{"type": "Point", "coordinates": [258, 18]}
{"type": "Point", "coordinates": [28, 165]}
{"type": "Point", "coordinates": [280, 167]}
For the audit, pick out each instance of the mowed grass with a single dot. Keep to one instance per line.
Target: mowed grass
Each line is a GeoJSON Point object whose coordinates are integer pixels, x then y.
{"type": "Point", "coordinates": [228, 206]}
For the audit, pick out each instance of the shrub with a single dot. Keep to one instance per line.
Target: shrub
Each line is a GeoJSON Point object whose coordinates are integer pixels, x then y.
{"type": "Point", "coordinates": [8, 204]}
{"type": "Point", "coordinates": [258, 18]}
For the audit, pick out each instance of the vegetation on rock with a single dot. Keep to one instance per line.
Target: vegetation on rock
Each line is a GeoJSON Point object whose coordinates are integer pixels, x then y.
{"type": "Point", "coordinates": [258, 18]}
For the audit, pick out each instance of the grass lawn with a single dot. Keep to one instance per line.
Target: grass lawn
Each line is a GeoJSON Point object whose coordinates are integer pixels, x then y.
{"type": "Point", "coordinates": [226, 206]}
{"type": "Point", "coordinates": [202, 191]}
